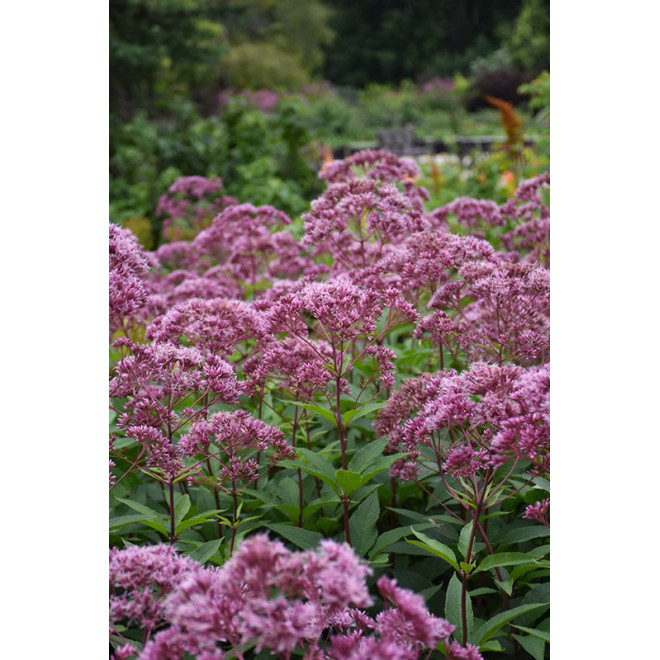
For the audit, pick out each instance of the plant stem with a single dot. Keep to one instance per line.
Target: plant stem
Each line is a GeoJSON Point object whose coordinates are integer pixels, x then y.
{"type": "Point", "coordinates": [465, 577]}
{"type": "Point", "coordinates": [172, 528]}
{"type": "Point", "coordinates": [300, 485]}
{"type": "Point", "coordinates": [346, 525]}
{"type": "Point", "coordinates": [234, 517]}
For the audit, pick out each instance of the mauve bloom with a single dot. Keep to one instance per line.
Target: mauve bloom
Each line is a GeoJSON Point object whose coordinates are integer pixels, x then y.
{"type": "Point", "coordinates": [141, 578]}
{"type": "Point", "coordinates": [353, 221]}
{"type": "Point", "coordinates": [525, 217]}
{"type": "Point", "coordinates": [427, 261]}
{"type": "Point", "coordinates": [375, 164]}
{"type": "Point", "coordinates": [238, 437]}
{"type": "Point", "coordinates": [128, 269]}
{"type": "Point", "coordinates": [268, 597]}
{"type": "Point", "coordinates": [538, 512]}
{"type": "Point", "coordinates": [469, 652]}
{"type": "Point", "coordinates": [189, 205]}
{"type": "Point", "coordinates": [378, 165]}
{"type": "Point", "coordinates": [264, 595]}
{"type": "Point", "coordinates": [218, 325]}
{"type": "Point", "coordinates": [411, 621]}
{"type": "Point", "coordinates": [469, 212]}
{"type": "Point", "coordinates": [124, 652]}
{"type": "Point", "coordinates": [484, 417]}
{"type": "Point", "coordinates": [296, 367]}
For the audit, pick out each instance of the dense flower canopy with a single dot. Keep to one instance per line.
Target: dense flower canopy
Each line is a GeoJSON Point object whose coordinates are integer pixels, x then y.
{"type": "Point", "coordinates": [253, 353]}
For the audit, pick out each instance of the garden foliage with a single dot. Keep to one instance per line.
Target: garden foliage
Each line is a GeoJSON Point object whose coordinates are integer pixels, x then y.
{"type": "Point", "coordinates": [329, 436]}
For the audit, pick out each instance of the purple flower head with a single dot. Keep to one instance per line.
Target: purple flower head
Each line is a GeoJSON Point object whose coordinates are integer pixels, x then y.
{"type": "Point", "coordinates": [484, 417]}
{"type": "Point", "coordinates": [162, 453]}
{"type": "Point", "coordinates": [409, 622]}
{"type": "Point", "coordinates": [124, 652]}
{"type": "Point", "coordinates": [403, 403]}
{"type": "Point", "coordinates": [189, 205]}
{"type": "Point", "coordinates": [502, 311]}
{"type": "Point", "coordinates": [298, 368]}
{"type": "Point", "coordinates": [219, 325]}
{"type": "Point", "coordinates": [238, 438]}
{"type": "Point", "coordinates": [353, 221]}
{"type": "Point", "coordinates": [234, 223]}
{"type": "Point", "coordinates": [140, 580]}
{"type": "Point", "coordinates": [470, 213]}
{"type": "Point", "coordinates": [376, 164]}
{"type": "Point", "coordinates": [342, 311]}
{"type": "Point", "coordinates": [467, 652]}
{"type": "Point", "coordinates": [128, 269]}
{"type": "Point", "coordinates": [538, 512]}
{"type": "Point", "coordinates": [428, 260]}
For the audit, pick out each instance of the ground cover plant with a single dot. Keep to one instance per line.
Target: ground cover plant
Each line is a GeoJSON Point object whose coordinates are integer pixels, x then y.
{"type": "Point", "coordinates": [329, 435]}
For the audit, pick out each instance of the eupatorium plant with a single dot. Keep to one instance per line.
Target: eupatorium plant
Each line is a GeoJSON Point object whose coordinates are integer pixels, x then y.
{"type": "Point", "coordinates": [247, 360]}
{"type": "Point", "coordinates": [156, 391]}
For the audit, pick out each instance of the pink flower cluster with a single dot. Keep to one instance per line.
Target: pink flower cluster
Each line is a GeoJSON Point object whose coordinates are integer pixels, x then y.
{"type": "Point", "coordinates": [189, 205]}
{"type": "Point", "coordinates": [232, 440]}
{"type": "Point", "coordinates": [128, 268]}
{"type": "Point", "coordinates": [156, 380]}
{"type": "Point", "coordinates": [267, 597]}
{"type": "Point", "coordinates": [470, 422]}
{"type": "Point", "coordinates": [525, 218]}
{"type": "Point", "coordinates": [244, 308]}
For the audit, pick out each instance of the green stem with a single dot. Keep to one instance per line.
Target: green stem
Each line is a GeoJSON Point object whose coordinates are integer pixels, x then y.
{"type": "Point", "coordinates": [172, 528]}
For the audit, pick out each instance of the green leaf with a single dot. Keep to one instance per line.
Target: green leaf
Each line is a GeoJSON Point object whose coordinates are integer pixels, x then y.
{"type": "Point", "coordinates": [141, 508]}
{"type": "Point", "coordinates": [505, 559]}
{"type": "Point", "coordinates": [362, 524]}
{"type": "Point", "coordinates": [541, 634]}
{"type": "Point", "coordinates": [453, 609]}
{"type": "Point", "coordinates": [382, 464]}
{"type": "Point", "coordinates": [314, 464]}
{"type": "Point", "coordinates": [361, 412]}
{"type": "Point", "coordinates": [391, 536]}
{"type": "Point", "coordinates": [181, 508]}
{"type": "Point", "coordinates": [205, 551]}
{"type": "Point", "coordinates": [464, 539]}
{"type": "Point", "coordinates": [490, 627]}
{"type": "Point", "coordinates": [468, 568]}
{"type": "Point", "coordinates": [158, 526]}
{"type": "Point", "coordinates": [522, 534]}
{"type": "Point", "coordinates": [534, 646]}
{"type": "Point", "coordinates": [363, 458]}
{"type": "Point", "coordinates": [492, 645]}
{"type": "Point", "coordinates": [200, 519]}
{"type": "Point", "coordinates": [318, 504]}
{"type": "Point", "coordinates": [348, 480]}
{"type": "Point", "coordinates": [308, 469]}
{"type": "Point", "coordinates": [323, 412]}
{"type": "Point", "coordinates": [321, 463]}
{"type": "Point", "coordinates": [541, 484]}
{"type": "Point", "coordinates": [435, 547]}
{"type": "Point", "coordinates": [303, 538]}
{"type": "Point", "coordinates": [120, 521]}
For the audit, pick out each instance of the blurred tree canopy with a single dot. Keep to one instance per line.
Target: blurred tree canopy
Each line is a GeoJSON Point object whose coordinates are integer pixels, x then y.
{"type": "Point", "coordinates": [160, 48]}
{"type": "Point", "coordinates": [387, 41]}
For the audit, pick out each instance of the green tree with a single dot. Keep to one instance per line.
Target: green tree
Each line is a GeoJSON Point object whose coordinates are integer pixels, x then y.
{"type": "Point", "coordinates": [158, 47]}
{"type": "Point", "coordinates": [386, 41]}
{"type": "Point", "coordinates": [529, 41]}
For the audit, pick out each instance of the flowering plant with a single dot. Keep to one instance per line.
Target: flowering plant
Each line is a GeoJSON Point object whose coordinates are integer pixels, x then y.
{"type": "Point", "coordinates": [309, 412]}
